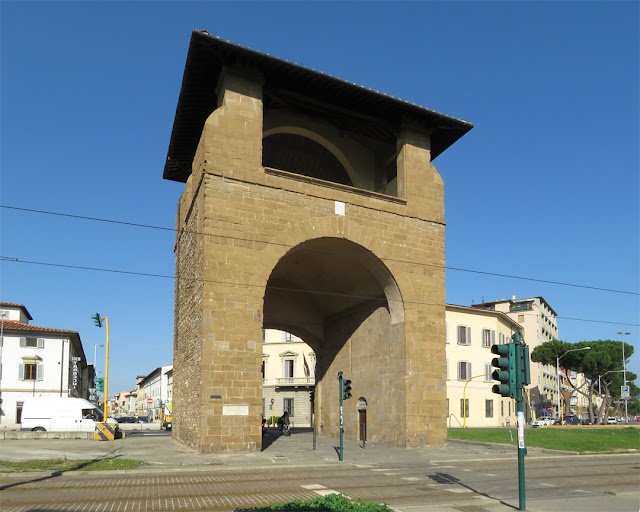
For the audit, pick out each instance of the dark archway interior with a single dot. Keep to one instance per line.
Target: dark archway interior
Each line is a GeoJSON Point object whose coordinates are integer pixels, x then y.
{"type": "Point", "coordinates": [300, 155]}
{"type": "Point", "coordinates": [316, 281]}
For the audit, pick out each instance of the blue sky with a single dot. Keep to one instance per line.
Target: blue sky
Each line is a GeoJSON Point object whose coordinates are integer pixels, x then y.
{"type": "Point", "coordinates": [545, 186]}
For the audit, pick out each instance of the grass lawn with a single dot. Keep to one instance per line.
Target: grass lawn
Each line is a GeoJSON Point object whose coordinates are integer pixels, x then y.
{"type": "Point", "coordinates": [62, 465]}
{"type": "Point", "coordinates": [582, 440]}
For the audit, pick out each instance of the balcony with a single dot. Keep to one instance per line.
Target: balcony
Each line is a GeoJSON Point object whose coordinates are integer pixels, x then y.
{"type": "Point", "coordinates": [289, 381]}
{"type": "Point", "coordinates": [528, 306]}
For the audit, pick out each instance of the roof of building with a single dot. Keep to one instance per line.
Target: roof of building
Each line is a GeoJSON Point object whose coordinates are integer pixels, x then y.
{"type": "Point", "coordinates": [516, 301]}
{"type": "Point", "coordinates": [12, 325]}
{"type": "Point", "coordinates": [209, 54]}
{"type": "Point", "coordinates": [500, 314]}
{"type": "Point", "coordinates": [13, 305]}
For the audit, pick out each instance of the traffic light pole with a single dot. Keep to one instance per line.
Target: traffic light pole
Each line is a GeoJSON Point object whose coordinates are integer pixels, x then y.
{"type": "Point", "coordinates": [340, 392]}
{"type": "Point", "coordinates": [522, 450]}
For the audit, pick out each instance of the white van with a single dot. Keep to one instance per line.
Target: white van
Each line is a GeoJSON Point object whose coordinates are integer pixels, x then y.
{"type": "Point", "coordinates": [61, 414]}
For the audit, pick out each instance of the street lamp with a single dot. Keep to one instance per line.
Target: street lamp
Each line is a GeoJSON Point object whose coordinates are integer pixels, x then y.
{"type": "Point", "coordinates": [95, 354]}
{"type": "Point", "coordinates": [560, 412]}
{"type": "Point", "coordinates": [624, 375]}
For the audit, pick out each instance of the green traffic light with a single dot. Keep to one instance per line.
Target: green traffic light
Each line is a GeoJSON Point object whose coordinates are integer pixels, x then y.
{"type": "Point", "coordinates": [97, 320]}
{"type": "Point", "coordinates": [346, 389]}
{"type": "Point", "coordinates": [506, 372]}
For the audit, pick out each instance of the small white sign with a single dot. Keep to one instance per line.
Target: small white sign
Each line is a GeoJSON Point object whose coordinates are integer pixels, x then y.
{"type": "Point", "coordinates": [340, 208]}
{"type": "Point", "coordinates": [625, 392]}
{"type": "Point", "coordinates": [235, 410]}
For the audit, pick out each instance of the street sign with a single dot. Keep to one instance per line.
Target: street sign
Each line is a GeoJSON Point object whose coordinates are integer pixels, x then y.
{"type": "Point", "coordinates": [149, 400]}
{"type": "Point", "coordinates": [273, 400]}
{"type": "Point", "coordinates": [625, 392]}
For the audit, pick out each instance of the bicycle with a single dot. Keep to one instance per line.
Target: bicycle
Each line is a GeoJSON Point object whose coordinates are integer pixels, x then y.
{"type": "Point", "coordinates": [286, 430]}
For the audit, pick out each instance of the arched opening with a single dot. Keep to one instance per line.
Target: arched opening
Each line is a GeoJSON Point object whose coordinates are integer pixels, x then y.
{"type": "Point", "coordinates": [343, 301]}
{"type": "Point", "coordinates": [301, 155]}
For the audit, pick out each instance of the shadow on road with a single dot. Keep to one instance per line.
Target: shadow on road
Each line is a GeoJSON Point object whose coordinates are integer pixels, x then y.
{"type": "Point", "coordinates": [443, 478]}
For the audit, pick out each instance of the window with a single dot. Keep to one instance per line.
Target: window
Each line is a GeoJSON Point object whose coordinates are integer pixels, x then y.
{"type": "Point", "coordinates": [288, 406]}
{"type": "Point", "coordinates": [32, 342]}
{"type": "Point", "coordinates": [264, 369]}
{"type": "Point", "coordinates": [464, 335]}
{"type": "Point", "coordinates": [488, 370]}
{"type": "Point", "coordinates": [288, 368]}
{"type": "Point", "coordinates": [464, 407]}
{"type": "Point", "coordinates": [501, 408]}
{"type": "Point", "coordinates": [464, 370]}
{"type": "Point", "coordinates": [520, 318]}
{"type": "Point", "coordinates": [287, 336]}
{"type": "Point", "coordinates": [488, 337]}
{"type": "Point", "coordinates": [31, 371]}
{"type": "Point", "coordinates": [488, 408]}
{"type": "Point", "coordinates": [19, 412]}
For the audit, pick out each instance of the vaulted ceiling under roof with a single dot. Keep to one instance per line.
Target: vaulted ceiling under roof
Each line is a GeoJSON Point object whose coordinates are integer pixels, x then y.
{"type": "Point", "coordinates": [285, 81]}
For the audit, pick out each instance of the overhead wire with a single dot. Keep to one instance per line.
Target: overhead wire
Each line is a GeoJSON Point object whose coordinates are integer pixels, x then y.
{"type": "Point", "coordinates": [279, 288]}
{"type": "Point", "coordinates": [396, 260]}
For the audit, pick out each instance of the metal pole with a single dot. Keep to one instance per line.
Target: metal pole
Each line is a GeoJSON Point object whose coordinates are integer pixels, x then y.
{"type": "Point", "coordinates": [558, 382]}
{"type": "Point", "coordinates": [313, 418]}
{"type": "Point", "coordinates": [106, 371]}
{"type": "Point", "coordinates": [517, 339]}
{"type": "Point", "coordinates": [624, 369]}
{"type": "Point", "coordinates": [341, 429]}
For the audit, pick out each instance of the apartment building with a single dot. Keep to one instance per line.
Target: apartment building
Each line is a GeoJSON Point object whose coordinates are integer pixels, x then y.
{"type": "Point", "coordinates": [155, 389]}
{"type": "Point", "coordinates": [288, 376]}
{"type": "Point", "coordinates": [540, 324]}
{"type": "Point", "coordinates": [470, 334]}
{"type": "Point", "coordinates": [37, 361]}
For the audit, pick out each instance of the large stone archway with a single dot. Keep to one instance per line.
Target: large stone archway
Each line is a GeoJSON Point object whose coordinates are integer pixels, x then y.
{"type": "Point", "coordinates": [358, 272]}
{"type": "Point", "coordinates": [342, 300]}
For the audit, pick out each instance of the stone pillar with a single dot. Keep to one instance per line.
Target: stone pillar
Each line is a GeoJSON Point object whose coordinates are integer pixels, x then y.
{"type": "Point", "coordinates": [218, 308]}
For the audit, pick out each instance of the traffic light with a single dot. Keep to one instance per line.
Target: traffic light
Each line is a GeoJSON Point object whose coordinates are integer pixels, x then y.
{"type": "Point", "coordinates": [525, 371]}
{"type": "Point", "coordinates": [99, 383]}
{"type": "Point", "coordinates": [97, 320]}
{"type": "Point", "coordinates": [346, 389]}
{"type": "Point", "coordinates": [506, 372]}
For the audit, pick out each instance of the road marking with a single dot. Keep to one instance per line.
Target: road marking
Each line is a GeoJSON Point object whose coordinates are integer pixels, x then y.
{"type": "Point", "coordinates": [414, 478]}
{"type": "Point", "coordinates": [320, 490]}
{"type": "Point", "coordinates": [489, 474]}
{"type": "Point", "coordinates": [458, 489]}
{"type": "Point", "coordinates": [548, 485]}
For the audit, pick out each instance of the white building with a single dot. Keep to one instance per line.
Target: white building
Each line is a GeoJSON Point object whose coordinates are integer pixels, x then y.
{"type": "Point", "coordinates": [470, 334]}
{"type": "Point", "coordinates": [37, 361]}
{"type": "Point", "coordinates": [155, 387]}
{"type": "Point", "coordinates": [288, 376]}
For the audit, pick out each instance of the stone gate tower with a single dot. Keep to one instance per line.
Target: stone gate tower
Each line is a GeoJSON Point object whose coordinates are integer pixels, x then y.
{"type": "Point", "coordinates": [311, 206]}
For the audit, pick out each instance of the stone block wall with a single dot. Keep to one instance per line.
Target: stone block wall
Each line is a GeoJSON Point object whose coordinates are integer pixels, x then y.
{"type": "Point", "coordinates": [248, 218]}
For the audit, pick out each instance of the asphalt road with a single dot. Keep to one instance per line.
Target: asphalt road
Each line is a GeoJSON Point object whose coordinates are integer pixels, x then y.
{"type": "Point", "coordinates": [462, 477]}
{"type": "Point", "coordinates": [611, 481]}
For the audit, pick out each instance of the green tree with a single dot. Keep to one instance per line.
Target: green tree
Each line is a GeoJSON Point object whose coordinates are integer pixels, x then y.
{"type": "Point", "coordinates": [602, 367]}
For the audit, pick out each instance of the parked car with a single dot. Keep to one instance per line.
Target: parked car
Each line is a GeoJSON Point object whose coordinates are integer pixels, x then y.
{"type": "Point", "coordinates": [542, 422]}
{"type": "Point", "coordinates": [126, 419]}
{"type": "Point", "coordinates": [143, 419]}
{"type": "Point", "coordinates": [568, 420]}
{"type": "Point", "coordinates": [612, 421]}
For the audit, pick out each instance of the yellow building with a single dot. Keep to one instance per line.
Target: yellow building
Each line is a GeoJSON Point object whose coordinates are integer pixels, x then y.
{"type": "Point", "coordinates": [470, 335]}
{"type": "Point", "coordinates": [288, 377]}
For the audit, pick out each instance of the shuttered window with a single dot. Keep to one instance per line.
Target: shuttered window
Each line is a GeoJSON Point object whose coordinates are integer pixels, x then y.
{"type": "Point", "coordinates": [31, 371]}
{"type": "Point", "coordinates": [464, 335]}
{"type": "Point", "coordinates": [31, 342]}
